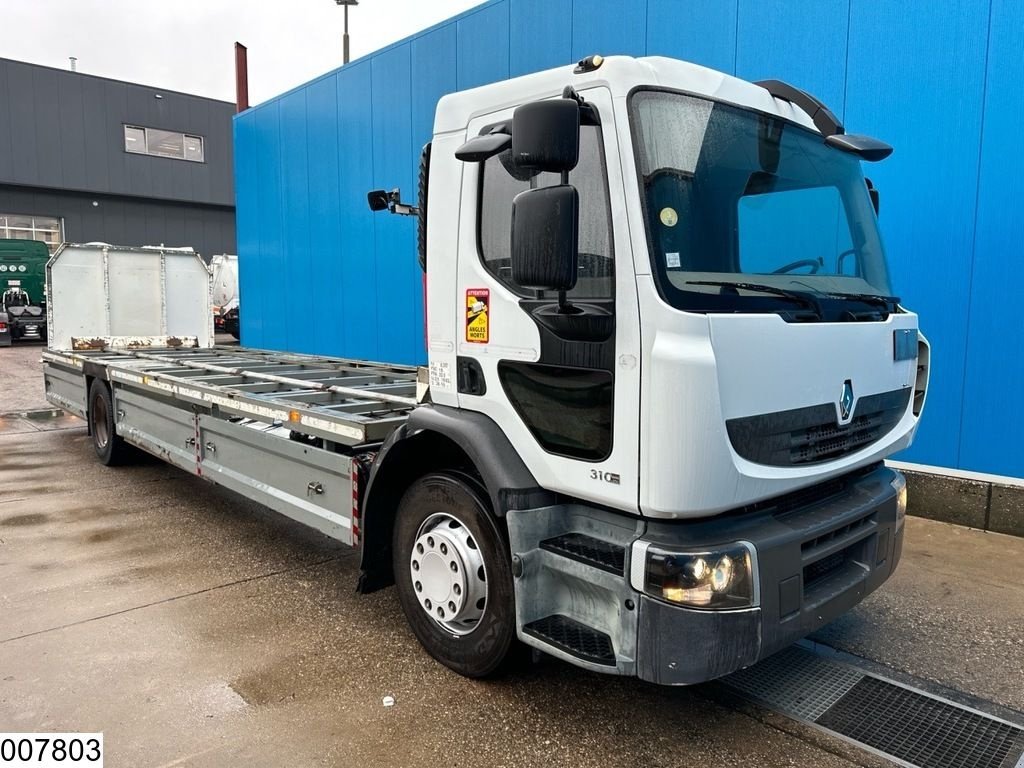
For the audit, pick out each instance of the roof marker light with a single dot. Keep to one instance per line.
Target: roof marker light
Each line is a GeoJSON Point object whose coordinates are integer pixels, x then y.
{"type": "Point", "coordinates": [588, 64]}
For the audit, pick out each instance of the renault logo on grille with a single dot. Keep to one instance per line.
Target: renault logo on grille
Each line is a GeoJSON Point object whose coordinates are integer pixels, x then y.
{"type": "Point", "coordinates": [846, 401]}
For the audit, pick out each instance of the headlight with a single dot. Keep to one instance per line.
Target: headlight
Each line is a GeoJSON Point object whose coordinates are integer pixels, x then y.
{"type": "Point", "coordinates": [714, 580]}
{"type": "Point", "coordinates": [899, 484]}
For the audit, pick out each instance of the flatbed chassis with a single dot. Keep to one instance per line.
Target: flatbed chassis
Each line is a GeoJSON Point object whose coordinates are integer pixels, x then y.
{"type": "Point", "coordinates": [282, 429]}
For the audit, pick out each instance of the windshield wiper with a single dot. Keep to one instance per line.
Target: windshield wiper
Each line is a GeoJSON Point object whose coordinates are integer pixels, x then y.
{"type": "Point", "coordinates": [806, 299]}
{"type": "Point", "coordinates": [867, 298]}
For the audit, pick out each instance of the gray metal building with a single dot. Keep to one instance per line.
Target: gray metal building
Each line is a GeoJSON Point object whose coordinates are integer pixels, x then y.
{"type": "Point", "coordinates": [85, 158]}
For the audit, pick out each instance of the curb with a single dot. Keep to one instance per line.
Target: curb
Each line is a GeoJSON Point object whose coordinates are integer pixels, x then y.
{"type": "Point", "coordinates": [987, 506]}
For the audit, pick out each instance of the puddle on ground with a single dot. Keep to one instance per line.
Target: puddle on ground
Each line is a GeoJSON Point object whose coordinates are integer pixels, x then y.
{"type": "Point", "coordinates": [62, 421]}
{"type": "Point", "coordinates": [38, 421]}
{"type": "Point", "coordinates": [24, 520]}
{"type": "Point", "coordinates": [266, 686]}
{"type": "Point", "coordinates": [13, 425]}
{"type": "Point", "coordinates": [97, 537]}
{"type": "Point", "coordinates": [217, 699]}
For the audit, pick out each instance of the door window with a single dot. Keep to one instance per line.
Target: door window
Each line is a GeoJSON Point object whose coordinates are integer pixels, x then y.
{"type": "Point", "coordinates": [501, 181]}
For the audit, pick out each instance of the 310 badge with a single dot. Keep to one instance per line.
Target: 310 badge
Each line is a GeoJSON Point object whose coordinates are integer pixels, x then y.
{"type": "Point", "coordinates": [478, 304]}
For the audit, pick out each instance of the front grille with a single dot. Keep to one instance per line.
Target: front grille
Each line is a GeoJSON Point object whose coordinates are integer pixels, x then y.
{"type": "Point", "coordinates": [811, 435]}
{"type": "Point", "coordinates": [820, 570]}
{"type": "Point", "coordinates": [842, 532]}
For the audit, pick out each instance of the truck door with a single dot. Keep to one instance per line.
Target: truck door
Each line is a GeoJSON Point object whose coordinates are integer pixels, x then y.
{"type": "Point", "coordinates": [564, 390]}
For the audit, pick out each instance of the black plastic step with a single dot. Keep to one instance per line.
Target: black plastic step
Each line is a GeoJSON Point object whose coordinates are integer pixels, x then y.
{"type": "Point", "coordinates": [571, 636]}
{"type": "Point", "coordinates": [586, 549]}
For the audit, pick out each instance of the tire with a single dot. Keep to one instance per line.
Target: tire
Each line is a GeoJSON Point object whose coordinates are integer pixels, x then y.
{"type": "Point", "coordinates": [474, 648]}
{"type": "Point", "coordinates": [111, 449]}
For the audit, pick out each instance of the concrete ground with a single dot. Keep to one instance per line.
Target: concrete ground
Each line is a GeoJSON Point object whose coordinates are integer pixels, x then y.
{"type": "Point", "coordinates": [21, 378]}
{"type": "Point", "coordinates": [193, 628]}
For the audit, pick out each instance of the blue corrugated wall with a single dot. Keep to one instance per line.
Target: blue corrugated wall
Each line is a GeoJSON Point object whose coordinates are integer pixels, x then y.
{"type": "Point", "coordinates": [940, 81]}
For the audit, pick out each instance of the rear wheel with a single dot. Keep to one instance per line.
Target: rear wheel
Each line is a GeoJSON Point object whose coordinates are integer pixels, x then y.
{"type": "Point", "coordinates": [453, 574]}
{"type": "Point", "coordinates": [111, 449]}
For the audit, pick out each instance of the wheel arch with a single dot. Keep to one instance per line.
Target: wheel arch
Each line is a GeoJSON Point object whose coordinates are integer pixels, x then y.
{"type": "Point", "coordinates": [436, 438]}
{"type": "Point", "coordinates": [95, 372]}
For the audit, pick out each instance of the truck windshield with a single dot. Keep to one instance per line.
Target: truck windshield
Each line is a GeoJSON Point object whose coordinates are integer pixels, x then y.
{"type": "Point", "coordinates": [745, 210]}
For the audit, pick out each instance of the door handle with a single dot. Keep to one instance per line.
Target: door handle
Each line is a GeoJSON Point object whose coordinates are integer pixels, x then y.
{"type": "Point", "coordinates": [470, 377]}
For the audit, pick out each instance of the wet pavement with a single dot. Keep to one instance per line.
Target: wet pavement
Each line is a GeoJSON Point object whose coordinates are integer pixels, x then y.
{"type": "Point", "coordinates": [196, 628]}
{"type": "Point", "coordinates": [21, 378]}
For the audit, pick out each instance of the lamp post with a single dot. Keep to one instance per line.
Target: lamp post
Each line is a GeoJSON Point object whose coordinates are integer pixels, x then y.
{"type": "Point", "coordinates": [346, 4]}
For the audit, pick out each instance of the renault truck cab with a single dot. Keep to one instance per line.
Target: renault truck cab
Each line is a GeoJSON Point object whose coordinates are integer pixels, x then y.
{"type": "Point", "coordinates": [666, 289]}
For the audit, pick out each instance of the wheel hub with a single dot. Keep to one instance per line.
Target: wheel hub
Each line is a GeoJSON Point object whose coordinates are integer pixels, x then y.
{"type": "Point", "coordinates": [448, 574]}
{"type": "Point", "coordinates": [99, 422]}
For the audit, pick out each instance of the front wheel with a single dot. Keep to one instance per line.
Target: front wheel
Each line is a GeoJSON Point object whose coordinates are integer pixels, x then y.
{"type": "Point", "coordinates": [453, 574]}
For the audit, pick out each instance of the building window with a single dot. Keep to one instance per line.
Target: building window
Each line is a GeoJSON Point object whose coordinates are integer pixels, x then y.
{"type": "Point", "coordinates": [47, 229]}
{"type": "Point", "coordinates": [153, 141]}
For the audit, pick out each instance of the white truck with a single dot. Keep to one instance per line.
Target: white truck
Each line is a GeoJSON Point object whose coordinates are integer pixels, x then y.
{"type": "Point", "coordinates": [224, 267]}
{"type": "Point", "coordinates": [665, 367]}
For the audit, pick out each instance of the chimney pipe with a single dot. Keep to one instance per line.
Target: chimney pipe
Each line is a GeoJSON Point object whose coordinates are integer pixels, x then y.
{"type": "Point", "coordinates": [241, 78]}
{"type": "Point", "coordinates": [74, 63]}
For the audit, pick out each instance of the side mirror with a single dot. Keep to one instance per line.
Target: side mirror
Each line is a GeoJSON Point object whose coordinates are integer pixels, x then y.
{"type": "Point", "coordinates": [873, 194]}
{"type": "Point", "coordinates": [546, 135]}
{"type": "Point", "coordinates": [378, 200]}
{"type": "Point", "coordinates": [545, 238]}
{"type": "Point", "coordinates": [382, 200]}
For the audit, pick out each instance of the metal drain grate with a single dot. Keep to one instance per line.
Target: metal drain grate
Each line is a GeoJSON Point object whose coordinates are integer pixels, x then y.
{"type": "Point", "coordinates": [908, 726]}
{"type": "Point", "coordinates": [796, 682]}
{"type": "Point", "coordinates": [922, 730]}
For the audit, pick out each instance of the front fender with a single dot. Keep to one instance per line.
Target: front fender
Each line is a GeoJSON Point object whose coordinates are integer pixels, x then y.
{"type": "Point", "coordinates": [438, 438]}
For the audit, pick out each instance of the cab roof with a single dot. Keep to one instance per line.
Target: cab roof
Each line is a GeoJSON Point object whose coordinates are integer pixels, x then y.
{"type": "Point", "coordinates": [620, 74]}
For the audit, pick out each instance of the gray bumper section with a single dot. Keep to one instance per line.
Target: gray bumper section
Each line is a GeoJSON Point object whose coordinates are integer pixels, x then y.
{"type": "Point", "coordinates": [818, 553]}
{"type": "Point", "coordinates": [814, 564]}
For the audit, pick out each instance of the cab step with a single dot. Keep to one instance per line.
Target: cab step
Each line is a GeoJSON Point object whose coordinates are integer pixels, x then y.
{"type": "Point", "coordinates": [574, 638]}
{"type": "Point", "coordinates": [586, 549]}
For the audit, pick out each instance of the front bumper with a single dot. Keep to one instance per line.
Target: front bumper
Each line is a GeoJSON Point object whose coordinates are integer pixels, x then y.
{"type": "Point", "coordinates": [28, 330]}
{"type": "Point", "coordinates": [814, 562]}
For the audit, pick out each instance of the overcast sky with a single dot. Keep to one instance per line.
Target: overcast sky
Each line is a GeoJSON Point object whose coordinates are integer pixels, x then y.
{"type": "Point", "coordinates": [188, 45]}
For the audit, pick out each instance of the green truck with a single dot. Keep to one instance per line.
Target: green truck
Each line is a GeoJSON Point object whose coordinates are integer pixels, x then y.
{"type": "Point", "coordinates": [22, 290]}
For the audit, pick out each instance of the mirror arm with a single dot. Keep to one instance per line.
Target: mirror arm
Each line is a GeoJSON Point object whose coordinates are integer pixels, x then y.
{"type": "Point", "coordinates": [588, 112]}
{"type": "Point", "coordinates": [402, 209]}
{"type": "Point", "coordinates": [396, 206]}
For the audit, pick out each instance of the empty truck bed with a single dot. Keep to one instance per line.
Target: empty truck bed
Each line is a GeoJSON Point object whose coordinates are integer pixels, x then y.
{"type": "Point", "coordinates": [282, 429]}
